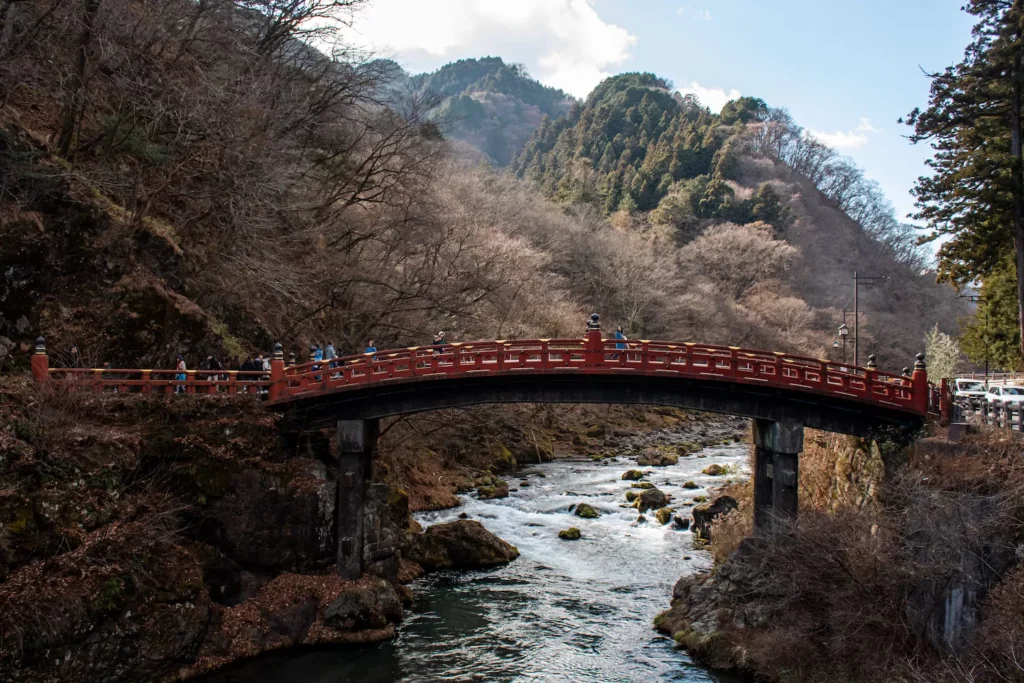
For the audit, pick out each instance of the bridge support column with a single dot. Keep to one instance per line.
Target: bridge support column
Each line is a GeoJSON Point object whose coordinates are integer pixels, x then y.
{"type": "Point", "coordinates": [357, 441]}
{"type": "Point", "coordinates": [777, 447]}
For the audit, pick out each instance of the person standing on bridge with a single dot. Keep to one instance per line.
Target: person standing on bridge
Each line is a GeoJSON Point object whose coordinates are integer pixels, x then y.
{"type": "Point", "coordinates": [620, 343]}
{"type": "Point", "coordinates": [181, 376]}
{"type": "Point", "coordinates": [370, 348]}
{"type": "Point", "coordinates": [329, 352]}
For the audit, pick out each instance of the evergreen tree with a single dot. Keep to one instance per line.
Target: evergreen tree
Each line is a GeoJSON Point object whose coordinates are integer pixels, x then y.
{"type": "Point", "coordinates": [992, 332]}
{"type": "Point", "coordinates": [975, 195]}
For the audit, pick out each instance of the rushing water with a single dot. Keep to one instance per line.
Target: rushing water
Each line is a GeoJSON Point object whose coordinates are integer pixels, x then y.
{"type": "Point", "coordinates": [564, 611]}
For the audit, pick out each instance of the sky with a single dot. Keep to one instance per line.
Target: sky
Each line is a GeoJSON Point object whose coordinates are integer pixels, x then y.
{"type": "Point", "coordinates": [845, 71]}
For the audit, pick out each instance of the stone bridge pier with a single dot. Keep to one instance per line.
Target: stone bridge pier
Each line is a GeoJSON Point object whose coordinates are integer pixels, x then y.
{"type": "Point", "coordinates": [777, 446]}
{"type": "Point", "coordinates": [367, 542]}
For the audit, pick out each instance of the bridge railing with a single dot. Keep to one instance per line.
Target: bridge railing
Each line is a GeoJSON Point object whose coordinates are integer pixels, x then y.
{"type": "Point", "coordinates": [592, 355]}
{"type": "Point", "coordinates": [608, 356]}
{"type": "Point", "coordinates": [111, 380]}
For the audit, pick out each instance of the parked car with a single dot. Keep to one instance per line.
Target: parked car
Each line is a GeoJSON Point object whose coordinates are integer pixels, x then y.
{"type": "Point", "coordinates": [969, 391]}
{"type": "Point", "coordinates": [1005, 396]}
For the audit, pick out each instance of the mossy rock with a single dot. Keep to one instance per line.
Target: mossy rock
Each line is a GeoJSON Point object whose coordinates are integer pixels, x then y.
{"type": "Point", "coordinates": [502, 458]}
{"type": "Point", "coordinates": [499, 490]}
{"type": "Point", "coordinates": [631, 496]}
{"type": "Point", "coordinates": [643, 485]}
{"type": "Point", "coordinates": [690, 485]}
{"type": "Point", "coordinates": [586, 511]}
{"type": "Point", "coordinates": [715, 470]}
{"type": "Point", "coordinates": [700, 499]}
{"type": "Point", "coordinates": [688, 447]}
{"type": "Point", "coordinates": [596, 431]}
{"type": "Point", "coordinates": [570, 534]}
{"type": "Point", "coordinates": [664, 516]}
{"type": "Point", "coordinates": [632, 475]}
{"type": "Point", "coordinates": [641, 519]}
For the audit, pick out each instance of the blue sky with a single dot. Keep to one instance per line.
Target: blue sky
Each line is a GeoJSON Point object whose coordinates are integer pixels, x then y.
{"type": "Point", "coordinates": [846, 71]}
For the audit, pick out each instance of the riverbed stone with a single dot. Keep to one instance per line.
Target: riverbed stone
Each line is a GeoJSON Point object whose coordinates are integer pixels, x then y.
{"type": "Point", "coordinates": [652, 499]}
{"type": "Point", "coordinates": [570, 534]}
{"type": "Point", "coordinates": [652, 457]}
{"type": "Point", "coordinates": [631, 496]}
{"type": "Point", "coordinates": [706, 513]}
{"type": "Point", "coordinates": [462, 544]}
{"type": "Point", "coordinates": [632, 475]}
{"type": "Point", "coordinates": [363, 607]}
{"type": "Point", "coordinates": [498, 490]}
{"type": "Point", "coordinates": [643, 485]}
{"type": "Point", "coordinates": [664, 516]}
{"type": "Point", "coordinates": [586, 511]}
{"type": "Point", "coordinates": [715, 470]}
{"type": "Point", "coordinates": [690, 485]}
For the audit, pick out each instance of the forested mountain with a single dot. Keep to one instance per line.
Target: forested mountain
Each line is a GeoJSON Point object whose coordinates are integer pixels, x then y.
{"type": "Point", "coordinates": [763, 213]}
{"type": "Point", "coordinates": [493, 106]}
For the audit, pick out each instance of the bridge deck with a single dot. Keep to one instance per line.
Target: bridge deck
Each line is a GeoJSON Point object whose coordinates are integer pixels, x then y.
{"type": "Point", "coordinates": [593, 356]}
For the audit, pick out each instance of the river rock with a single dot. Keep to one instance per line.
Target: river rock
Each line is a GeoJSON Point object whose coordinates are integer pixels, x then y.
{"type": "Point", "coordinates": [631, 496]}
{"type": "Point", "coordinates": [664, 516]}
{"type": "Point", "coordinates": [690, 485]}
{"type": "Point", "coordinates": [681, 523]}
{"type": "Point", "coordinates": [586, 511]}
{"type": "Point", "coordinates": [362, 607]}
{"type": "Point", "coordinates": [462, 544]}
{"type": "Point", "coordinates": [654, 458]}
{"type": "Point", "coordinates": [706, 513]}
{"type": "Point", "coordinates": [652, 499]}
{"type": "Point", "coordinates": [715, 470]}
{"type": "Point", "coordinates": [570, 534]}
{"type": "Point", "coordinates": [498, 490]}
{"type": "Point", "coordinates": [632, 475]}
{"type": "Point", "coordinates": [643, 485]}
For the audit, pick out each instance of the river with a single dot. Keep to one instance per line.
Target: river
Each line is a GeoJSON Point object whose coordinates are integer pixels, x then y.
{"type": "Point", "coordinates": [564, 611]}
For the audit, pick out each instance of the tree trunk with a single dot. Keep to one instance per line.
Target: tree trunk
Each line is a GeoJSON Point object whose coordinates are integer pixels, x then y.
{"type": "Point", "coordinates": [73, 102]}
{"type": "Point", "coordinates": [1018, 165]}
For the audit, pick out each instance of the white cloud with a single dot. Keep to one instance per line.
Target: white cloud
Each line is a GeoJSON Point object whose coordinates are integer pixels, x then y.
{"type": "Point", "coordinates": [564, 43]}
{"type": "Point", "coordinates": [703, 15]}
{"type": "Point", "coordinates": [713, 98]}
{"type": "Point", "coordinates": [858, 137]}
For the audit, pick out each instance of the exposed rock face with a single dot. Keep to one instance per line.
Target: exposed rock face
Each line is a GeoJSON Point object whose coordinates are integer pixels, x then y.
{"type": "Point", "coordinates": [359, 608]}
{"type": "Point", "coordinates": [705, 513]}
{"type": "Point", "coordinates": [462, 544]}
{"type": "Point", "coordinates": [274, 523]}
{"type": "Point", "coordinates": [652, 499]}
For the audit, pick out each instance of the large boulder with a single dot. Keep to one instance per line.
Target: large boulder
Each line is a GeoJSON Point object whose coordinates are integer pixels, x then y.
{"type": "Point", "coordinates": [652, 499]}
{"type": "Point", "coordinates": [462, 544]}
{"type": "Point", "coordinates": [363, 607]}
{"type": "Point", "coordinates": [705, 513]}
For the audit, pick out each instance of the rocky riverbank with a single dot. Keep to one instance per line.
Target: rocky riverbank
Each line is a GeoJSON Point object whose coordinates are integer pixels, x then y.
{"type": "Point", "coordinates": [911, 582]}
{"type": "Point", "coordinates": [145, 539]}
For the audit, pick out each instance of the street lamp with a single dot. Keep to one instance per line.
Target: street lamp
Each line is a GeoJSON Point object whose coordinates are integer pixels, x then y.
{"type": "Point", "coordinates": [844, 332]}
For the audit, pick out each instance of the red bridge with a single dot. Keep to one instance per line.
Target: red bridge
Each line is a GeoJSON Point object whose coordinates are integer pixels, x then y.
{"type": "Point", "coordinates": [781, 392]}
{"type": "Point", "coordinates": [759, 384]}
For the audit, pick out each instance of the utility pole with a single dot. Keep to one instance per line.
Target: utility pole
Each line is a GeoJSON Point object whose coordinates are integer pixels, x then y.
{"type": "Point", "coordinates": [858, 282]}
{"type": "Point", "coordinates": [977, 299]}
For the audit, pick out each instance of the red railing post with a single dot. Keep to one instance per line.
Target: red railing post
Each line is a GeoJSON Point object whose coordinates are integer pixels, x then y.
{"type": "Point", "coordinates": [945, 403]}
{"type": "Point", "coordinates": [276, 372]}
{"type": "Point", "coordinates": [40, 361]}
{"type": "Point", "coordinates": [593, 347]}
{"type": "Point", "coordinates": [920, 382]}
{"type": "Point", "coordinates": [146, 386]}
